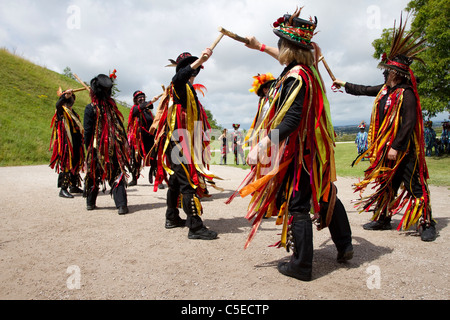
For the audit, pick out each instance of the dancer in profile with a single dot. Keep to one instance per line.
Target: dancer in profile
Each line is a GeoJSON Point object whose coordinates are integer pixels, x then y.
{"type": "Point", "coordinates": [180, 149]}
{"type": "Point", "coordinates": [396, 142]}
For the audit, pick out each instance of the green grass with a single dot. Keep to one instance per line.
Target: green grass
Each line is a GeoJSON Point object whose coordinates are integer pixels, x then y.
{"type": "Point", "coordinates": [27, 105]}
{"type": "Point", "coordinates": [438, 167]}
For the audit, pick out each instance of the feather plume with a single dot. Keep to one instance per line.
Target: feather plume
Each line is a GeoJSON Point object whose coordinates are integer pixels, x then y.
{"type": "Point", "coordinates": [407, 44]}
{"type": "Point", "coordinates": [173, 63]}
{"type": "Point", "coordinates": [295, 15]}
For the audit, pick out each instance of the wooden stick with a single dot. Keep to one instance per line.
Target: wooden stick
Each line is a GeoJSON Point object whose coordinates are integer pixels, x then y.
{"type": "Point", "coordinates": [81, 81]}
{"type": "Point", "coordinates": [233, 35]}
{"type": "Point", "coordinates": [327, 67]}
{"type": "Point", "coordinates": [215, 43]}
{"type": "Point", "coordinates": [60, 92]}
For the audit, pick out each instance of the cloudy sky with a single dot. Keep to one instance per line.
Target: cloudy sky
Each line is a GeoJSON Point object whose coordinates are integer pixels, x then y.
{"type": "Point", "coordinates": [138, 37]}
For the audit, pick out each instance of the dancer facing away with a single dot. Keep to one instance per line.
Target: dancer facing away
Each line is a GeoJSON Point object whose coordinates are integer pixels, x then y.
{"type": "Point", "coordinates": [396, 143]}
{"type": "Point", "coordinates": [108, 153]}
{"type": "Point", "coordinates": [303, 170]}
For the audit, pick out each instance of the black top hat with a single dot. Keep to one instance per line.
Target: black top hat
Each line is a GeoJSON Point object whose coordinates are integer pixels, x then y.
{"type": "Point", "coordinates": [295, 30]}
{"type": "Point", "coordinates": [185, 59]}
{"type": "Point", "coordinates": [102, 80]}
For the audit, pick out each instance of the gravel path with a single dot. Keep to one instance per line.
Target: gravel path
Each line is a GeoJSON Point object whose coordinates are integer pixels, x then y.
{"type": "Point", "coordinates": [53, 248]}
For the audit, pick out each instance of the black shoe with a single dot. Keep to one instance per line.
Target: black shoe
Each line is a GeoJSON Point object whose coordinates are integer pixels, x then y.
{"type": "Point", "coordinates": [90, 207]}
{"type": "Point", "coordinates": [203, 234]}
{"type": "Point", "coordinates": [283, 268]}
{"type": "Point", "coordinates": [123, 210]}
{"type": "Point", "coordinates": [429, 232]}
{"type": "Point", "coordinates": [345, 255]}
{"type": "Point", "coordinates": [75, 190]}
{"type": "Point", "coordinates": [180, 223]}
{"type": "Point", "coordinates": [132, 183]}
{"type": "Point", "coordinates": [378, 225]}
{"type": "Point", "coordinates": [65, 194]}
{"type": "Point", "coordinates": [161, 186]}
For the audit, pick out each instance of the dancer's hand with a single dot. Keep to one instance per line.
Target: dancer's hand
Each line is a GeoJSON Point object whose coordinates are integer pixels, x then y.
{"type": "Point", "coordinates": [392, 154]}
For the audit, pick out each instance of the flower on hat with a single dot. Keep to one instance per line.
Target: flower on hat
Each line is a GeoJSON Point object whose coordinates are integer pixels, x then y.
{"type": "Point", "coordinates": [260, 79]}
{"type": "Point", "coordinates": [277, 23]}
{"type": "Point", "coordinates": [113, 75]}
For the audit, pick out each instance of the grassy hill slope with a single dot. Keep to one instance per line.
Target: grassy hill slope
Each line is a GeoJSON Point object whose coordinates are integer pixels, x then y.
{"type": "Point", "coordinates": [27, 105]}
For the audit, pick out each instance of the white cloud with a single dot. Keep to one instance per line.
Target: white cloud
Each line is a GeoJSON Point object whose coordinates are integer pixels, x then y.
{"type": "Point", "coordinates": [138, 37]}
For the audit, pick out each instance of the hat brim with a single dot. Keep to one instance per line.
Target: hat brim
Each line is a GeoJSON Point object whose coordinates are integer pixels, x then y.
{"type": "Point", "coordinates": [297, 43]}
{"type": "Point", "coordinates": [396, 69]}
{"type": "Point", "coordinates": [265, 85]}
{"type": "Point", "coordinates": [186, 61]}
{"type": "Point", "coordinates": [104, 81]}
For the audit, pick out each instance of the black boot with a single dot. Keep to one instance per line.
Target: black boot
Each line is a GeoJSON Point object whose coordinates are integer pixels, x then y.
{"type": "Point", "coordinates": [300, 265]}
{"type": "Point", "coordinates": [173, 219]}
{"type": "Point", "coordinates": [123, 210]}
{"type": "Point", "coordinates": [75, 189]}
{"type": "Point", "coordinates": [91, 198]}
{"type": "Point", "coordinates": [65, 194]}
{"type": "Point", "coordinates": [203, 234]}
{"type": "Point", "coordinates": [428, 231]}
{"type": "Point", "coordinates": [381, 224]}
{"type": "Point", "coordinates": [341, 233]}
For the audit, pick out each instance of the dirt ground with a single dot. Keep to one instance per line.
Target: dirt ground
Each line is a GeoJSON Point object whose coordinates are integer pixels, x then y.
{"type": "Point", "coordinates": [53, 248]}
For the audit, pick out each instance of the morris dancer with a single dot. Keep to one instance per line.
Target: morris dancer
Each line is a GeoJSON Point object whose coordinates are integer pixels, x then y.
{"type": "Point", "coordinates": [138, 133]}
{"type": "Point", "coordinates": [67, 144]}
{"type": "Point", "coordinates": [106, 144]}
{"type": "Point", "coordinates": [303, 166]}
{"type": "Point", "coordinates": [180, 149]}
{"type": "Point", "coordinates": [396, 143]}
{"type": "Point", "coordinates": [260, 87]}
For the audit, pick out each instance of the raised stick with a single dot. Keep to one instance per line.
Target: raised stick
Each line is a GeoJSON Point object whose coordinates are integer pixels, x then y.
{"type": "Point", "coordinates": [233, 35]}
{"type": "Point", "coordinates": [215, 43]}
{"type": "Point", "coordinates": [327, 67]}
{"type": "Point", "coordinates": [81, 81]}
{"type": "Point", "coordinates": [60, 92]}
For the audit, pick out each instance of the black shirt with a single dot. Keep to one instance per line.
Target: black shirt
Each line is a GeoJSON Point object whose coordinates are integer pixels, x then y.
{"type": "Point", "coordinates": [293, 116]}
{"type": "Point", "coordinates": [408, 116]}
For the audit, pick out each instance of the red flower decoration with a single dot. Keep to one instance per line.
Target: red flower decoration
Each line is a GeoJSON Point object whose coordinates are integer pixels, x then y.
{"type": "Point", "coordinates": [113, 75]}
{"type": "Point", "coordinates": [384, 57]}
{"type": "Point", "coordinates": [277, 23]}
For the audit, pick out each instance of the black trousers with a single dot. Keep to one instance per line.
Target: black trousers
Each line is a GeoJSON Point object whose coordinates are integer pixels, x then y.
{"type": "Point", "coordinates": [408, 173]}
{"type": "Point", "coordinates": [299, 207]}
{"type": "Point", "coordinates": [136, 165]}
{"type": "Point", "coordinates": [66, 179]}
{"type": "Point", "coordinates": [179, 185]}
{"type": "Point", "coordinates": [118, 187]}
